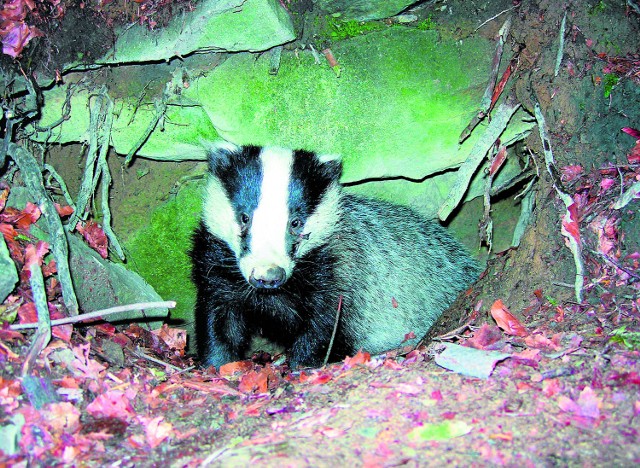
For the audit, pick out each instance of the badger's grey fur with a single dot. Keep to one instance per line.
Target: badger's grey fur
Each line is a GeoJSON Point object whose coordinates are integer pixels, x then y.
{"type": "Point", "coordinates": [280, 246]}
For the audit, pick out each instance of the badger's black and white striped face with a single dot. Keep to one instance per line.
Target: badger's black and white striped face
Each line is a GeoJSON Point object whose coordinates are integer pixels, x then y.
{"type": "Point", "coordinates": [271, 206]}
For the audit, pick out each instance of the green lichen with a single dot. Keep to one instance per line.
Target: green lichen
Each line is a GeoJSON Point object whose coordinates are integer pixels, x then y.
{"type": "Point", "coordinates": [158, 251]}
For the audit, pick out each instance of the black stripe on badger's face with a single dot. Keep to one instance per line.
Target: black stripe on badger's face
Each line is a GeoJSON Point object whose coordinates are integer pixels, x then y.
{"type": "Point", "coordinates": [233, 193]}
{"type": "Point", "coordinates": [271, 205]}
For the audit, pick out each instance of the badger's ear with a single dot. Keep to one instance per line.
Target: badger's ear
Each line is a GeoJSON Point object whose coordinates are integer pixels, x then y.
{"type": "Point", "coordinates": [219, 152]}
{"type": "Point", "coordinates": [331, 164]}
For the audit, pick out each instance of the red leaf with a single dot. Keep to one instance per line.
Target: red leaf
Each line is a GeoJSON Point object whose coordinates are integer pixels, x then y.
{"type": "Point", "coordinates": [64, 210]}
{"type": "Point", "coordinates": [112, 404]}
{"type": "Point", "coordinates": [18, 37]}
{"type": "Point", "coordinates": [237, 367]}
{"type": "Point", "coordinates": [35, 254]}
{"type": "Point", "coordinates": [570, 173]}
{"type": "Point", "coordinates": [95, 237]}
{"type": "Point", "coordinates": [360, 358]}
{"type": "Point", "coordinates": [634, 156]}
{"type": "Point", "coordinates": [498, 160]}
{"type": "Point", "coordinates": [632, 131]}
{"type": "Point", "coordinates": [156, 430]}
{"type": "Point", "coordinates": [484, 337]}
{"type": "Point", "coordinates": [175, 338]}
{"type": "Point", "coordinates": [506, 320]}
{"type": "Point", "coordinates": [497, 91]}
{"type": "Point", "coordinates": [254, 381]}
{"type": "Point", "coordinates": [570, 227]}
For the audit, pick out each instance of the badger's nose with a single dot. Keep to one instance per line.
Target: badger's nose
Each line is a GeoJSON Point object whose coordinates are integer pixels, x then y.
{"type": "Point", "coordinates": [267, 278]}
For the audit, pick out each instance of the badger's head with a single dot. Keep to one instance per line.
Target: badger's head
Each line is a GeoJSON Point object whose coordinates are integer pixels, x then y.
{"type": "Point", "coordinates": [271, 206]}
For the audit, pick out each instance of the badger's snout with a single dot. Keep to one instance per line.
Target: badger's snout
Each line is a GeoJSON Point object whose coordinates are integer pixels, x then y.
{"type": "Point", "coordinates": [270, 277]}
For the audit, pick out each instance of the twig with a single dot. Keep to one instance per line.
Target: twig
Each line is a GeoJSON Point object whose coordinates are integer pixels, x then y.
{"type": "Point", "coordinates": [8, 136]}
{"type": "Point", "coordinates": [501, 118]}
{"type": "Point", "coordinates": [32, 176]}
{"type": "Point", "coordinates": [618, 266]}
{"type": "Point", "coordinates": [561, 46]}
{"type": "Point", "coordinates": [65, 191]}
{"type": "Point", "coordinates": [495, 16]}
{"type": "Point", "coordinates": [66, 112]}
{"type": "Point", "coordinates": [574, 245]}
{"type": "Point", "coordinates": [316, 55]}
{"type": "Point", "coordinates": [335, 329]}
{"type": "Point", "coordinates": [488, 92]}
{"type": "Point", "coordinates": [97, 116]}
{"type": "Point", "coordinates": [161, 110]}
{"type": "Point", "coordinates": [43, 335]}
{"type": "Point", "coordinates": [526, 209]}
{"type": "Point", "coordinates": [105, 174]}
{"type": "Point", "coordinates": [140, 354]}
{"type": "Point", "coordinates": [454, 333]}
{"type": "Point", "coordinates": [100, 314]}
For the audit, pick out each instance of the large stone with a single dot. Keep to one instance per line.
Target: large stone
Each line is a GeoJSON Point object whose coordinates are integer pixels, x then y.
{"type": "Point", "coordinates": [213, 25]}
{"type": "Point", "coordinates": [396, 111]}
{"type": "Point", "coordinates": [100, 284]}
{"type": "Point", "coordinates": [363, 10]}
{"type": "Point", "coordinates": [8, 273]}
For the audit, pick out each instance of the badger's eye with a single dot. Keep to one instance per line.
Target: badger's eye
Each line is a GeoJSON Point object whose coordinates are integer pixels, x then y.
{"type": "Point", "coordinates": [244, 219]}
{"type": "Point", "coordinates": [296, 225]}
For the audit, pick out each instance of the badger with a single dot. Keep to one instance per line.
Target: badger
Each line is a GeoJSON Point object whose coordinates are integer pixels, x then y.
{"type": "Point", "coordinates": [282, 251]}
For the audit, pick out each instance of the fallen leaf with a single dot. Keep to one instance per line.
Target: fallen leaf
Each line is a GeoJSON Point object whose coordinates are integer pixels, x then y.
{"type": "Point", "coordinates": [469, 361]}
{"type": "Point", "coordinates": [62, 417]}
{"type": "Point", "coordinates": [111, 404]}
{"type": "Point", "coordinates": [506, 320]}
{"type": "Point", "coordinates": [95, 237]}
{"type": "Point", "coordinates": [440, 431]}
{"type": "Point", "coordinates": [361, 357]}
{"type": "Point", "coordinates": [156, 430]}
{"type": "Point", "coordinates": [236, 367]}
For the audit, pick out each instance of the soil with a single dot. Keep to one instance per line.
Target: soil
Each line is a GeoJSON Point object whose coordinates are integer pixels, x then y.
{"type": "Point", "coordinates": [567, 396]}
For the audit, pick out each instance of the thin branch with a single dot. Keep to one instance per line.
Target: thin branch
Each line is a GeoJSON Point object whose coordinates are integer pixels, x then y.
{"type": "Point", "coordinates": [142, 355]}
{"type": "Point", "coordinates": [32, 176]}
{"type": "Point", "coordinates": [502, 116]}
{"type": "Point", "coordinates": [142, 306]}
{"type": "Point", "coordinates": [89, 178]}
{"type": "Point", "coordinates": [335, 329]}
{"type": "Point", "coordinates": [574, 244]}
{"type": "Point", "coordinates": [105, 174]}
{"type": "Point", "coordinates": [495, 16]}
{"type": "Point", "coordinates": [63, 186]}
{"type": "Point", "coordinates": [43, 335]}
{"type": "Point", "coordinates": [561, 45]}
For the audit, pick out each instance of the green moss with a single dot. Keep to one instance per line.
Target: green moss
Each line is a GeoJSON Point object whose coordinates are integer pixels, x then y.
{"type": "Point", "coordinates": [598, 9]}
{"type": "Point", "coordinates": [337, 30]}
{"type": "Point", "coordinates": [158, 251]}
{"type": "Point", "coordinates": [426, 24]}
{"type": "Point", "coordinates": [610, 81]}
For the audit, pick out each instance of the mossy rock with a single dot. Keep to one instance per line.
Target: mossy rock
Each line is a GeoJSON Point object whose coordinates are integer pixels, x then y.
{"type": "Point", "coordinates": [158, 252]}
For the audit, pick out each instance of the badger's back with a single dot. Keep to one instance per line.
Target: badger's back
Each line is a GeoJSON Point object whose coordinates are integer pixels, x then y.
{"type": "Point", "coordinates": [397, 270]}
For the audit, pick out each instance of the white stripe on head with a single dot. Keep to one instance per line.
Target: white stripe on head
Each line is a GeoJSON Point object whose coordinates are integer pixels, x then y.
{"type": "Point", "coordinates": [219, 216]}
{"type": "Point", "coordinates": [320, 226]}
{"type": "Point", "coordinates": [270, 222]}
